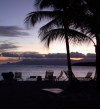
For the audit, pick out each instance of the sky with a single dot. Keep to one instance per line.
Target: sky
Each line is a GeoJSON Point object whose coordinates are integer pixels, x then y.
{"type": "Point", "coordinates": [15, 37]}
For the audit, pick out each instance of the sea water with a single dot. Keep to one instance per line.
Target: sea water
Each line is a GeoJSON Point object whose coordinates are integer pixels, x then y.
{"type": "Point", "coordinates": [39, 70]}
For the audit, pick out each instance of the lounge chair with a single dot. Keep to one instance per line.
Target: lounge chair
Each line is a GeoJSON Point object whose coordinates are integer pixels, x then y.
{"type": "Point", "coordinates": [31, 78]}
{"type": "Point", "coordinates": [8, 76]}
{"type": "Point", "coordinates": [39, 78]}
{"type": "Point", "coordinates": [67, 75]}
{"type": "Point", "coordinates": [49, 76]}
{"type": "Point", "coordinates": [95, 76]}
{"type": "Point", "coordinates": [60, 76]}
{"type": "Point", "coordinates": [18, 76]}
{"type": "Point", "coordinates": [87, 77]}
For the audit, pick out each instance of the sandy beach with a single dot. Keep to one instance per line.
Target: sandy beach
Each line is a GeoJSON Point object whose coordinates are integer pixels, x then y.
{"type": "Point", "coordinates": [29, 95]}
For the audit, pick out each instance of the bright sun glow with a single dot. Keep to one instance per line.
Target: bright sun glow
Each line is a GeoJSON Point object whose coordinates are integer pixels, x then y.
{"type": "Point", "coordinates": [77, 59]}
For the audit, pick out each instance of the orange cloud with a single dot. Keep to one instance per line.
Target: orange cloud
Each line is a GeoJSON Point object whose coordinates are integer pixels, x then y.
{"type": "Point", "coordinates": [4, 60]}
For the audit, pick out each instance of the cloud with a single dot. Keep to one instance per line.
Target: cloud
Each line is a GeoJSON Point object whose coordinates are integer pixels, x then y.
{"type": "Point", "coordinates": [36, 55]}
{"type": "Point", "coordinates": [56, 55]}
{"type": "Point", "coordinates": [90, 55]}
{"type": "Point", "coordinates": [12, 31]}
{"type": "Point", "coordinates": [31, 55]}
{"type": "Point", "coordinates": [23, 54]}
{"type": "Point", "coordinates": [77, 55]}
{"type": "Point", "coordinates": [64, 55]}
{"type": "Point", "coordinates": [7, 46]}
{"type": "Point", "coordinates": [10, 54]}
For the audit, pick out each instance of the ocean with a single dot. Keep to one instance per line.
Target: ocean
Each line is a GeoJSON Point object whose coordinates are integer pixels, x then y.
{"type": "Point", "coordinates": [39, 70]}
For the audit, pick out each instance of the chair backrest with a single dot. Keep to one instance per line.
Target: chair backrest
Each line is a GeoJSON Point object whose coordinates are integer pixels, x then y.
{"type": "Point", "coordinates": [61, 74]}
{"type": "Point", "coordinates": [39, 78]}
{"type": "Point", "coordinates": [7, 76]}
{"type": "Point", "coordinates": [49, 74]}
{"type": "Point", "coordinates": [18, 75]}
{"type": "Point", "coordinates": [89, 74]}
{"type": "Point", "coordinates": [95, 76]}
{"type": "Point", "coordinates": [33, 77]}
{"type": "Point", "coordinates": [66, 73]}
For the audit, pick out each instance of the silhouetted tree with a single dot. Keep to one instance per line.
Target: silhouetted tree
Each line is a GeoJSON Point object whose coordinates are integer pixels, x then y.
{"type": "Point", "coordinates": [59, 19]}
{"type": "Point", "coordinates": [94, 24]}
{"type": "Point", "coordinates": [86, 15]}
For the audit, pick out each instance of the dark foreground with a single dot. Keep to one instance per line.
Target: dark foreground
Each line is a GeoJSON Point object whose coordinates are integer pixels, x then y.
{"type": "Point", "coordinates": [28, 95]}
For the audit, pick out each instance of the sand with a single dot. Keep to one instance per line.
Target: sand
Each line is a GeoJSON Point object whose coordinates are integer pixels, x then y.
{"type": "Point", "coordinates": [30, 95]}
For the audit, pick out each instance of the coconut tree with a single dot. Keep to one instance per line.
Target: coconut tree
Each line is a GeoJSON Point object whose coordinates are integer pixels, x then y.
{"type": "Point", "coordinates": [94, 25]}
{"type": "Point", "coordinates": [37, 16]}
{"type": "Point", "coordinates": [59, 19]}
{"type": "Point", "coordinates": [85, 14]}
{"type": "Point", "coordinates": [89, 21]}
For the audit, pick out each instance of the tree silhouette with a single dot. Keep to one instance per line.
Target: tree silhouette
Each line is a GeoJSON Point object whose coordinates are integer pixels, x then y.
{"type": "Point", "coordinates": [86, 15]}
{"type": "Point", "coordinates": [94, 25]}
{"type": "Point", "coordinates": [58, 20]}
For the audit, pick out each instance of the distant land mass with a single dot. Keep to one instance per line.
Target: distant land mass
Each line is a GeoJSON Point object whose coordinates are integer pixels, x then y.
{"type": "Point", "coordinates": [41, 62]}
{"type": "Point", "coordinates": [84, 64]}
{"type": "Point", "coordinates": [53, 61]}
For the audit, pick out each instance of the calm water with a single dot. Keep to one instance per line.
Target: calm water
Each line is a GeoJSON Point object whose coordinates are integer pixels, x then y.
{"type": "Point", "coordinates": [39, 70]}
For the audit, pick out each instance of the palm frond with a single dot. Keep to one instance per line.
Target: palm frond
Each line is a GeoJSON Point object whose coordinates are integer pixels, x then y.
{"type": "Point", "coordinates": [94, 5]}
{"type": "Point", "coordinates": [52, 35]}
{"type": "Point", "coordinates": [78, 37]}
{"type": "Point", "coordinates": [73, 35]}
{"type": "Point", "coordinates": [53, 24]}
{"type": "Point", "coordinates": [34, 17]}
{"type": "Point", "coordinates": [52, 3]}
{"type": "Point", "coordinates": [45, 3]}
{"type": "Point", "coordinates": [41, 4]}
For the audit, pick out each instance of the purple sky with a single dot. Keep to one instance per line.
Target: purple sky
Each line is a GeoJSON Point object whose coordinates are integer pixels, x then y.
{"type": "Point", "coordinates": [14, 33]}
{"type": "Point", "coordinates": [13, 12]}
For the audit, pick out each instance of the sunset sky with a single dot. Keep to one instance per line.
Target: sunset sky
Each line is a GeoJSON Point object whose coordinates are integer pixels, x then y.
{"type": "Point", "coordinates": [14, 36]}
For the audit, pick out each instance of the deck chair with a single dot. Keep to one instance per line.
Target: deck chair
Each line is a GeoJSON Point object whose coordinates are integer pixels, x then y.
{"type": "Point", "coordinates": [49, 75]}
{"type": "Point", "coordinates": [32, 77]}
{"type": "Point", "coordinates": [88, 76]}
{"type": "Point", "coordinates": [95, 76]}
{"type": "Point", "coordinates": [18, 76]}
{"type": "Point", "coordinates": [67, 75]}
{"type": "Point", "coordinates": [61, 74]}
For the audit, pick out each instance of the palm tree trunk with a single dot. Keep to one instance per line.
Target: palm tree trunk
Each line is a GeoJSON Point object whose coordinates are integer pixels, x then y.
{"type": "Point", "coordinates": [70, 73]}
{"type": "Point", "coordinates": [68, 55]}
{"type": "Point", "coordinates": [98, 60]}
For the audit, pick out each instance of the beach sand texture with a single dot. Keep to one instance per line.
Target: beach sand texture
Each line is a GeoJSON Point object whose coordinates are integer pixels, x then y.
{"type": "Point", "coordinates": [29, 95]}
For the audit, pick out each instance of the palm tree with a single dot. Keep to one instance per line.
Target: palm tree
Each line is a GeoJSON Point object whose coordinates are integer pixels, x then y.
{"type": "Point", "coordinates": [58, 17]}
{"type": "Point", "coordinates": [94, 24]}
{"type": "Point", "coordinates": [85, 14]}
{"type": "Point", "coordinates": [88, 22]}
